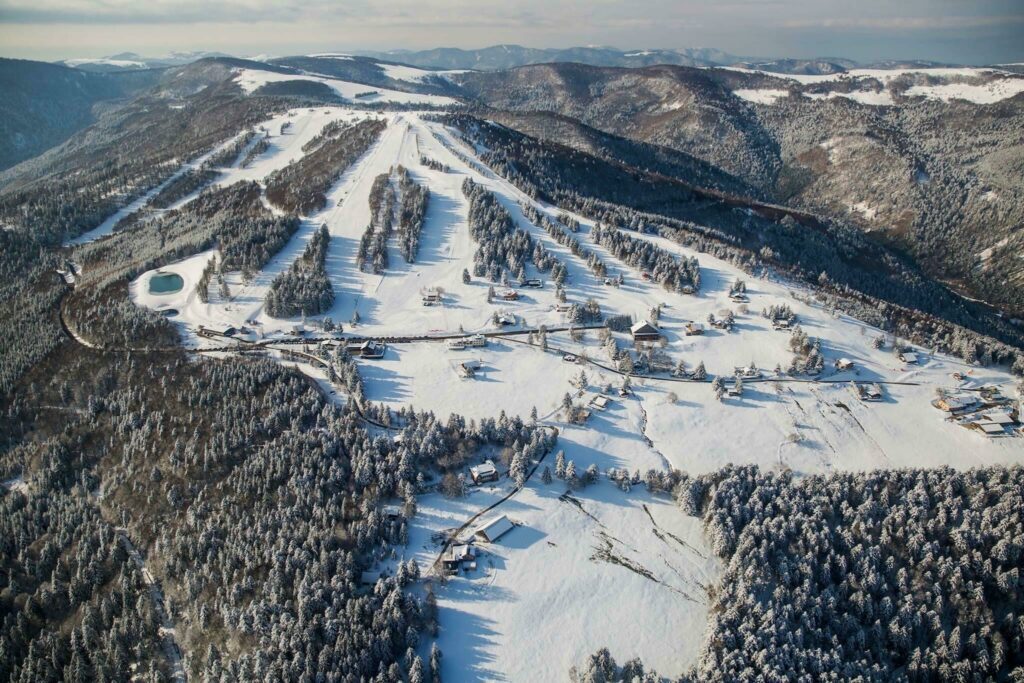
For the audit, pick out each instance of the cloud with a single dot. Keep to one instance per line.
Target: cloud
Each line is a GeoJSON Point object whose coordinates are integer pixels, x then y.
{"type": "Point", "coordinates": [903, 23]}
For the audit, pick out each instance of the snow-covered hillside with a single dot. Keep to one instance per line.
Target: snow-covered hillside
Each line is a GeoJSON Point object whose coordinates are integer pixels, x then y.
{"type": "Point", "coordinates": [252, 79]}
{"type": "Point", "coordinates": [608, 567]}
{"type": "Point", "coordinates": [871, 86]}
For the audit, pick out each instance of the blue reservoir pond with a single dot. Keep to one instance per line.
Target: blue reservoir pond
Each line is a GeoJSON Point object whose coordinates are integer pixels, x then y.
{"type": "Point", "coordinates": [165, 283]}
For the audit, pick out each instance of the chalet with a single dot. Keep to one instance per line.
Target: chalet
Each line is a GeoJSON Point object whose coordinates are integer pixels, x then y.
{"type": "Point", "coordinates": [869, 392]}
{"type": "Point", "coordinates": [459, 557]}
{"type": "Point", "coordinates": [507, 295]}
{"type": "Point", "coordinates": [720, 323]}
{"type": "Point", "coordinates": [563, 307]}
{"type": "Point", "coordinates": [483, 473]}
{"type": "Point", "coordinates": [478, 340]}
{"type": "Point", "coordinates": [494, 529]}
{"type": "Point", "coordinates": [992, 423]}
{"type": "Point", "coordinates": [569, 358]}
{"type": "Point", "coordinates": [645, 331]}
{"type": "Point", "coordinates": [687, 289]}
{"type": "Point", "coordinates": [456, 344]}
{"type": "Point", "coordinates": [693, 329]}
{"type": "Point", "coordinates": [783, 324]}
{"type": "Point", "coordinates": [505, 318]}
{"type": "Point", "coordinates": [908, 357]}
{"type": "Point", "coordinates": [366, 349]}
{"type": "Point", "coordinates": [297, 331]}
{"type": "Point", "coordinates": [469, 368]}
{"type": "Point", "coordinates": [600, 402]}
{"type": "Point", "coordinates": [844, 364]}
{"type": "Point", "coordinates": [739, 297]}
{"type": "Point", "coordinates": [955, 404]}
{"type": "Point", "coordinates": [392, 511]}
{"type": "Point", "coordinates": [532, 282]}
{"type": "Point", "coordinates": [749, 372]}
{"type": "Point", "coordinates": [432, 297]}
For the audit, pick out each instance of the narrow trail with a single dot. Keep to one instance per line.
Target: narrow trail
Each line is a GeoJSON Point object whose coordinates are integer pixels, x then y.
{"type": "Point", "coordinates": [167, 634]}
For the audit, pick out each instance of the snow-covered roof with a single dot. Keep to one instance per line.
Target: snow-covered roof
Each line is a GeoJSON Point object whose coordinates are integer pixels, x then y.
{"type": "Point", "coordinates": [644, 327]}
{"type": "Point", "coordinates": [991, 427]}
{"type": "Point", "coordinates": [484, 468]}
{"type": "Point", "coordinates": [996, 418]}
{"type": "Point", "coordinates": [495, 528]}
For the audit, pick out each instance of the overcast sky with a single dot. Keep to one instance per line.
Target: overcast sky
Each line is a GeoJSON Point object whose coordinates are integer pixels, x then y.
{"type": "Point", "coordinates": [966, 31]}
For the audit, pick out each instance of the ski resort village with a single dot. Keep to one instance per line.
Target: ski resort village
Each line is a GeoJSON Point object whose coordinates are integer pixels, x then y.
{"type": "Point", "coordinates": [403, 260]}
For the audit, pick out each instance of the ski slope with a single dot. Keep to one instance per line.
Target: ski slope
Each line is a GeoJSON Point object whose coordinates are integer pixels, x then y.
{"type": "Point", "coordinates": [547, 594]}
{"type": "Point", "coordinates": [251, 80]}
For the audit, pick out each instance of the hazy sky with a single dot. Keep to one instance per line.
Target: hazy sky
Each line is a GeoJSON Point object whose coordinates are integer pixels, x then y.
{"type": "Point", "coordinates": [969, 31]}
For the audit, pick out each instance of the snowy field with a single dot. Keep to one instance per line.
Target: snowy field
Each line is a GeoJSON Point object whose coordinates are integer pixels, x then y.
{"type": "Point", "coordinates": [997, 86]}
{"type": "Point", "coordinates": [547, 594]}
{"type": "Point", "coordinates": [252, 79]}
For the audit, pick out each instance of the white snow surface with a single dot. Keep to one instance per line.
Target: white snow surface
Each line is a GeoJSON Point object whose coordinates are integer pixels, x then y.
{"type": "Point", "coordinates": [988, 93]}
{"type": "Point", "coordinates": [401, 72]}
{"type": "Point", "coordinates": [765, 96]}
{"type": "Point", "coordinates": [1000, 86]}
{"type": "Point", "coordinates": [252, 79]}
{"type": "Point", "coordinates": [123, 63]}
{"type": "Point", "coordinates": [542, 599]}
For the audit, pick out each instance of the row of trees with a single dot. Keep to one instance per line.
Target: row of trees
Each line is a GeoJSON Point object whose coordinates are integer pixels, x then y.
{"type": "Point", "coordinates": [679, 275]}
{"type": "Point", "coordinates": [303, 289]}
{"type": "Point", "coordinates": [301, 187]}
{"type": "Point", "coordinates": [501, 246]}
{"type": "Point", "coordinates": [891, 294]}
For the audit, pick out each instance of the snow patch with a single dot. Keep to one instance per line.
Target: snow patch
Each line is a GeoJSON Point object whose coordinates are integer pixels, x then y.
{"type": "Point", "coordinates": [760, 96]}
{"type": "Point", "coordinates": [987, 93]}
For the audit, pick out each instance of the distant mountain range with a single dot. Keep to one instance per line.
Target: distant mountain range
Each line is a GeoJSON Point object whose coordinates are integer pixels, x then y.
{"type": "Point", "coordinates": [498, 57]}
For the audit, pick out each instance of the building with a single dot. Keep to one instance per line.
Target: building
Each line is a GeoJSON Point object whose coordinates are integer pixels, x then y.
{"type": "Point", "coordinates": [484, 473]}
{"type": "Point", "coordinates": [749, 372]}
{"type": "Point", "coordinates": [600, 402]}
{"type": "Point", "coordinates": [844, 364]}
{"type": "Point", "coordinates": [955, 404]}
{"type": "Point", "coordinates": [458, 557]}
{"type": "Point", "coordinates": [469, 368]}
{"type": "Point", "coordinates": [432, 297]}
{"type": "Point", "coordinates": [508, 295]}
{"type": "Point", "coordinates": [494, 529]}
{"type": "Point", "coordinates": [505, 318]}
{"type": "Point", "coordinates": [783, 324]}
{"type": "Point", "coordinates": [456, 344]}
{"type": "Point", "coordinates": [366, 349]}
{"type": "Point", "coordinates": [536, 283]}
{"type": "Point", "coordinates": [645, 331]}
{"type": "Point", "coordinates": [995, 422]}
{"type": "Point", "coordinates": [869, 392]}
{"type": "Point", "coordinates": [739, 297]}
{"type": "Point", "coordinates": [478, 340]}
{"type": "Point", "coordinates": [908, 357]}
{"type": "Point", "coordinates": [693, 329]}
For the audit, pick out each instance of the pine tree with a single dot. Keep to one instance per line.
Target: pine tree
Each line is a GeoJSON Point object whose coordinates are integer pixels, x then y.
{"type": "Point", "coordinates": [545, 476]}
{"type": "Point", "coordinates": [560, 465]}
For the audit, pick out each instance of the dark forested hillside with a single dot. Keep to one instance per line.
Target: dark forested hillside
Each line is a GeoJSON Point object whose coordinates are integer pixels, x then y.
{"type": "Point", "coordinates": [744, 231]}
{"type": "Point", "coordinates": [44, 104]}
{"type": "Point", "coordinates": [937, 180]}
